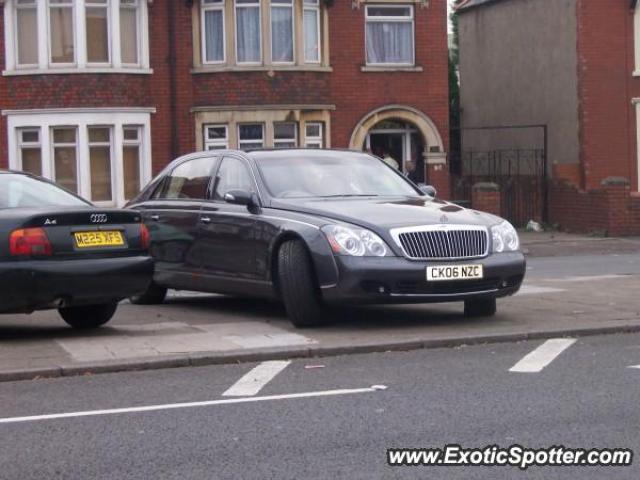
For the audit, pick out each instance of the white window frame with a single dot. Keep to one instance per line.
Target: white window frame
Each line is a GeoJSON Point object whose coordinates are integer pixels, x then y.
{"type": "Point", "coordinates": [278, 141]}
{"type": "Point", "coordinates": [75, 25]}
{"type": "Point", "coordinates": [207, 142]}
{"type": "Point", "coordinates": [256, 4]}
{"type": "Point", "coordinates": [312, 5]}
{"type": "Point", "coordinates": [636, 40]}
{"type": "Point", "coordinates": [209, 5]}
{"type": "Point", "coordinates": [139, 143]}
{"type": "Point", "coordinates": [314, 141]}
{"type": "Point", "coordinates": [32, 145]}
{"type": "Point", "coordinates": [393, 19]}
{"type": "Point", "coordinates": [52, 148]}
{"type": "Point", "coordinates": [81, 119]}
{"type": "Point", "coordinates": [106, 6]}
{"type": "Point", "coordinates": [111, 161]}
{"type": "Point", "coordinates": [259, 144]}
{"type": "Point", "coordinates": [15, 34]}
{"type": "Point", "coordinates": [80, 63]}
{"type": "Point", "coordinates": [283, 4]}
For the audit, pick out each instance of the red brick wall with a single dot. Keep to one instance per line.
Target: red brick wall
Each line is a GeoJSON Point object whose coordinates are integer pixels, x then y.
{"type": "Point", "coordinates": [606, 86]}
{"type": "Point", "coordinates": [610, 210]}
{"type": "Point", "coordinates": [486, 197]}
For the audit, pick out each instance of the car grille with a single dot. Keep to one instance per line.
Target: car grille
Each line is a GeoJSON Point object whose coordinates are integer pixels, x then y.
{"type": "Point", "coordinates": [449, 243]}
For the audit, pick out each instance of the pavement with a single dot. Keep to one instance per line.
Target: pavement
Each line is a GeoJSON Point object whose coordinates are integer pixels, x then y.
{"type": "Point", "coordinates": [330, 418]}
{"type": "Point", "coordinates": [575, 286]}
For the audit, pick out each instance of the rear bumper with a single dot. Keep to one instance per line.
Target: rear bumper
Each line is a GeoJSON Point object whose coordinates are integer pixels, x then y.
{"type": "Point", "coordinates": [31, 285]}
{"type": "Point", "coordinates": [398, 280]}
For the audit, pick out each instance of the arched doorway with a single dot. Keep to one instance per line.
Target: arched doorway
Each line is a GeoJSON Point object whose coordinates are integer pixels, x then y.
{"type": "Point", "coordinates": [407, 134]}
{"type": "Point", "coordinates": [402, 143]}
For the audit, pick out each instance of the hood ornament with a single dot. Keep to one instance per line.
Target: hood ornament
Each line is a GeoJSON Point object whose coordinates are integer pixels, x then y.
{"type": "Point", "coordinates": [444, 219]}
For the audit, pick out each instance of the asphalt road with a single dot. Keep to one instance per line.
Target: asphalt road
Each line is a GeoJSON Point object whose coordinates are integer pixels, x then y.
{"type": "Point", "coordinates": [586, 396]}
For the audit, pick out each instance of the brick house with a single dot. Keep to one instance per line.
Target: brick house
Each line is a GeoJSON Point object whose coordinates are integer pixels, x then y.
{"type": "Point", "coordinates": [101, 94]}
{"type": "Point", "coordinates": [573, 65]}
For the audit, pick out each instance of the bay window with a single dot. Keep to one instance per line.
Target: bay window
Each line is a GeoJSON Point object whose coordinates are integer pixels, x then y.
{"type": "Point", "coordinates": [250, 136]}
{"type": "Point", "coordinates": [48, 36]}
{"type": "Point", "coordinates": [311, 26]}
{"type": "Point", "coordinates": [248, 31]}
{"type": "Point", "coordinates": [282, 31]}
{"type": "Point", "coordinates": [27, 32]}
{"type": "Point", "coordinates": [389, 34]}
{"type": "Point", "coordinates": [213, 43]}
{"type": "Point", "coordinates": [104, 156]}
{"type": "Point", "coordinates": [62, 46]}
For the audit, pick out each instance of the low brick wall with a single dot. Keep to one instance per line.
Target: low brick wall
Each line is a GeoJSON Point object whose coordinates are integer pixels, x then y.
{"type": "Point", "coordinates": [486, 197]}
{"type": "Point", "coordinates": [610, 210]}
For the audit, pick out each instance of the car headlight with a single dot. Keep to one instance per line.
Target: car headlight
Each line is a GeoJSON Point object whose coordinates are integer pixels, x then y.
{"type": "Point", "coordinates": [356, 242]}
{"type": "Point", "coordinates": [505, 238]}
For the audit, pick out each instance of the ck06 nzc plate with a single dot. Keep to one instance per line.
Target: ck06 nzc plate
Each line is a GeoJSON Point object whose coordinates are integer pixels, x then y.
{"type": "Point", "coordinates": [99, 239]}
{"type": "Point", "coordinates": [455, 272]}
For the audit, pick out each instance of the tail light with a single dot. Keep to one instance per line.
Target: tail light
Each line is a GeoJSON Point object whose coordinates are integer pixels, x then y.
{"type": "Point", "coordinates": [29, 242]}
{"type": "Point", "coordinates": [145, 237]}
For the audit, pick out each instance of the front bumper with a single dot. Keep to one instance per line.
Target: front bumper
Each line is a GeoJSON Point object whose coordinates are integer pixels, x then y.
{"type": "Point", "coordinates": [30, 285]}
{"type": "Point", "coordinates": [399, 280]}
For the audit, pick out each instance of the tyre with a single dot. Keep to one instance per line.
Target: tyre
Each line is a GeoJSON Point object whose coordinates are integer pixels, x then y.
{"type": "Point", "coordinates": [480, 308]}
{"type": "Point", "coordinates": [154, 295]}
{"type": "Point", "coordinates": [88, 317]}
{"type": "Point", "coordinates": [298, 288]}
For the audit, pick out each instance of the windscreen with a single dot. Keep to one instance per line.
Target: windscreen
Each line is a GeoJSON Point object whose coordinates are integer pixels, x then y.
{"type": "Point", "coordinates": [334, 174]}
{"type": "Point", "coordinates": [20, 191]}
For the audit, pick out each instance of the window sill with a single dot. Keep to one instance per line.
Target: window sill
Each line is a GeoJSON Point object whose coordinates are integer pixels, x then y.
{"type": "Point", "coordinates": [260, 68]}
{"type": "Point", "coordinates": [390, 68]}
{"type": "Point", "coordinates": [75, 70]}
{"type": "Point", "coordinates": [636, 73]}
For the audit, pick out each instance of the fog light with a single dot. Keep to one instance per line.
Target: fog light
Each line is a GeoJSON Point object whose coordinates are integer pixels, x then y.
{"type": "Point", "coordinates": [504, 284]}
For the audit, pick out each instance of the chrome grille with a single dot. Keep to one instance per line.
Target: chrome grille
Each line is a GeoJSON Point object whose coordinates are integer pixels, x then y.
{"type": "Point", "coordinates": [443, 242]}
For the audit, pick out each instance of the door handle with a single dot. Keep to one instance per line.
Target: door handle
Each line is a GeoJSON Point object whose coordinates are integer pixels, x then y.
{"type": "Point", "coordinates": [206, 220]}
{"type": "Point", "coordinates": [155, 218]}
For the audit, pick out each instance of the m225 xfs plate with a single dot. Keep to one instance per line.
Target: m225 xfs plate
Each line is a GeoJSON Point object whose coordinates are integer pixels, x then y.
{"type": "Point", "coordinates": [99, 239]}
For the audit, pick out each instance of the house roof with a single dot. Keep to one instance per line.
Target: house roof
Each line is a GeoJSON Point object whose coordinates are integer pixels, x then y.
{"type": "Point", "coordinates": [465, 5]}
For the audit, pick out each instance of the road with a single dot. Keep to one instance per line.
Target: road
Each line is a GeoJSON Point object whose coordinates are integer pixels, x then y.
{"type": "Point", "coordinates": [587, 396]}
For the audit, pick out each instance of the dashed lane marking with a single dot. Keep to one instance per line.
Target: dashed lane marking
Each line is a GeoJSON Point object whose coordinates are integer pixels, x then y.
{"type": "Point", "coordinates": [255, 380]}
{"type": "Point", "coordinates": [537, 290]}
{"type": "Point", "coordinates": [538, 359]}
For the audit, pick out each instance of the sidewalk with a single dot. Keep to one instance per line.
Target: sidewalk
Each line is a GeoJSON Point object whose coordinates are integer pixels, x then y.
{"type": "Point", "coordinates": [559, 244]}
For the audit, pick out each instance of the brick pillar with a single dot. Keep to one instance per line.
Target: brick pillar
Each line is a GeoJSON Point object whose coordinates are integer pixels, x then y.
{"type": "Point", "coordinates": [486, 197]}
{"type": "Point", "coordinates": [619, 211]}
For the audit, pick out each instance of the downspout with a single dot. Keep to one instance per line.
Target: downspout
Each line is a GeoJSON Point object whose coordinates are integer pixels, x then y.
{"type": "Point", "coordinates": [173, 80]}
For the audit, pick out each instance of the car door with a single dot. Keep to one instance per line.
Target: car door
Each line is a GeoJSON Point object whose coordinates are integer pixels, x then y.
{"type": "Point", "coordinates": [227, 231]}
{"type": "Point", "coordinates": [172, 215]}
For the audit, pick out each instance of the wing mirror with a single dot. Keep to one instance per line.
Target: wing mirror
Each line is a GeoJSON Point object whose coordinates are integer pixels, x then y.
{"type": "Point", "coordinates": [428, 190]}
{"type": "Point", "coordinates": [240, 197]}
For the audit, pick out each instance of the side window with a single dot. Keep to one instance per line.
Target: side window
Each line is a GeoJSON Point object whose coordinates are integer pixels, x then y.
{"type": "Point", "coordinates": [233, 175]}
{"type": "Point", "coordinates": [189, 180]}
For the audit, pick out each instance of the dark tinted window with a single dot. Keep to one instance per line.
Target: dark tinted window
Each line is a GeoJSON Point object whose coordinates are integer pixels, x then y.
{"type": "Point", "coordinates": [233, 175]}
{"type": "Point", "coordinates": [19, 191]}
{"type": "Point", "coordinates": [189, 180]}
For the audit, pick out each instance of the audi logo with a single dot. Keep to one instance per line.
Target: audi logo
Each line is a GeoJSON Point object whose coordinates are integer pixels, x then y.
{"type": "Point", "coordinates": [99, 218]}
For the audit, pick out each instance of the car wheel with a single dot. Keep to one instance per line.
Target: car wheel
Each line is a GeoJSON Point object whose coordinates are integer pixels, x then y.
{"type": "Point", "coordinates": [300, 294]}
{"type": "Point", "coordinates": [480, 308]}
{"type": "Point", "coordinates": [90, 316]}
{"type": "Point", "coordinates": [154, 295]}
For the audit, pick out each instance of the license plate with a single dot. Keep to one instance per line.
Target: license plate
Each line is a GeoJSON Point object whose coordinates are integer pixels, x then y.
{"type": "Point", "coordinates": [99, 239]}
{"type": "Point", "coordinates": [454, 272]}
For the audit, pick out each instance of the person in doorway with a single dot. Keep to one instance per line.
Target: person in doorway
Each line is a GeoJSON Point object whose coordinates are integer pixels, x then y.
{"type": "Point", "coordinates": [389, 160]}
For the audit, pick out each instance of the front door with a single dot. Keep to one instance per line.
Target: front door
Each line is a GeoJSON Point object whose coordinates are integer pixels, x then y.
{"type": "Point", "coordinates": [227, 231]}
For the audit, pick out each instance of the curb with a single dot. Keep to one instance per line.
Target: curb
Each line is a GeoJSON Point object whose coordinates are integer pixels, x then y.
{"type": "Point", "coordinates": [261, 355]}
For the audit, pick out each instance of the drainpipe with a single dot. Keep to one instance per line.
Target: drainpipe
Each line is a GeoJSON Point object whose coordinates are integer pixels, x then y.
{"type": "Point", "coordinates": [173, 79]}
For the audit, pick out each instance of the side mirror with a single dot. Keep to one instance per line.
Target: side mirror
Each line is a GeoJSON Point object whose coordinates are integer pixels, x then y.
{"type": "Point", "coordinates": [429, 190]}
{"type": "Point", "coordinates": [238, 197]}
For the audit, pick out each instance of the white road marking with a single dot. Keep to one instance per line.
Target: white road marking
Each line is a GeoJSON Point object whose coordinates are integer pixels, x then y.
{"type": "Point", "coordinates": [586, 278]}
{"type": "Point", "coordinates": [175, 406]}
{"type": "Point", "coordinates": [635, 366]}
{"type": "Point", "coordinates": [255, 380]}
{"type": "Point", "coordinates": [542, 356]}
{"type": "Point", "coordinates": [536, 290]}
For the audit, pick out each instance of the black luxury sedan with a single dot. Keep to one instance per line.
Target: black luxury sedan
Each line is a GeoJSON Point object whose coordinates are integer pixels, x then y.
{"type": "Point", "coordinates": [316, 228]}
{"type": "Point", "coordinates": [57, 251]}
